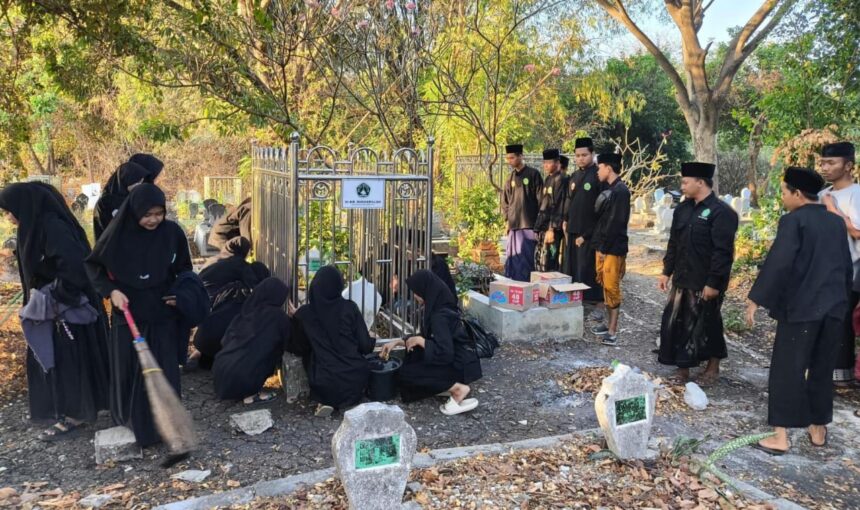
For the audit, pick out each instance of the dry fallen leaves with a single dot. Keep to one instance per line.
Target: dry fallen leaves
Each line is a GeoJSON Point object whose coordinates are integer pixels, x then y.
{"type": "Point", "coordinates": [670, 396]}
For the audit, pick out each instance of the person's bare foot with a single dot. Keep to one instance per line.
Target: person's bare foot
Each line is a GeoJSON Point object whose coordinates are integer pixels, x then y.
{"type": "Point", "coordinates": [681, 376]}
{"type": "Point", "coordinates": [459, 392]}
{"type": "Point", "coordinates": [778, 441]}
{"type": "Point", "coordinates": [708, 377]}
{"type": "Point", "coordinates": [818, 435]}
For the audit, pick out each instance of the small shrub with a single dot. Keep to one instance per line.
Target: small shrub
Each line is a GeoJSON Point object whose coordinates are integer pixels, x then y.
{"type": "Point", "coordinates": [478, 217]}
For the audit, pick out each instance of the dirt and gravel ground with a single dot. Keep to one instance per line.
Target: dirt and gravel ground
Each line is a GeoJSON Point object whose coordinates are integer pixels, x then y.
{"type": "Point", "coordinates": [523, 395]}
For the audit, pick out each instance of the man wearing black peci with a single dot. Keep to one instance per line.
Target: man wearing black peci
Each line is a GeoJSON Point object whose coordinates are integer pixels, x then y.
{"type": "Point", "coordinates": [520, 204]}
{"type": "Point", "coordinates": [550, 216]}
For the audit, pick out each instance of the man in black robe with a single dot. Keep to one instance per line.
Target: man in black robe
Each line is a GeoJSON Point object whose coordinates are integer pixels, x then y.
{"type": "Point", "coordinates": [551, 214]}
{"type": "Point", "coordinates": [698, 260]}
{"type": "Point", "coordinates": [582, 191]}
{"type": "Point", "coordinates": [842, 198]}
{"type": "Point", "coordinates": [805, 284]}
{"type": "Point", "coordinates": [520, 204]}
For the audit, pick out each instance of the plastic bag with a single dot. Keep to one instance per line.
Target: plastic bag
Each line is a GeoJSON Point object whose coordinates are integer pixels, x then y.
{"type": "Point", "coordinates": [362, 289]}
{"type": "Point", "coordinates": [485, 342]}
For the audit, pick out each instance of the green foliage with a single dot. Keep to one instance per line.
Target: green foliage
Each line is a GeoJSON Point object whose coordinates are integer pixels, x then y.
{"type": "Point", "coordinates": [733, 319]}
{"type": "Point", "coordinates": [754, 238]}
{"type": "Point", "coordinates": [478, 216]}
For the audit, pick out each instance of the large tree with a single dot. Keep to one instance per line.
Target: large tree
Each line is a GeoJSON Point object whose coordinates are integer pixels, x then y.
{"type": "Point", "coordinates": [700, 96]}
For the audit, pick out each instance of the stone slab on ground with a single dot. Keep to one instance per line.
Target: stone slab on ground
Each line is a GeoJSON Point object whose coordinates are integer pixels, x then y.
{"type": "Point", "coordinates": [116, 444]}
{"type": "Point", "coordinates": [533, 325]}
{"type": "Point", "coordinates": [294, 378]}
{"type": "Point", "coordinates": [625, 410]}
{"type": "Point", "coordinates": [252, 422]}
{"type": "Point", "coordinates": [192, 475]}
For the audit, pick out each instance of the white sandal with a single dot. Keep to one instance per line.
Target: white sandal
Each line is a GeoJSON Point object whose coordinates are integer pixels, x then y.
{"type": "Point", "coordinates": [451, 407]}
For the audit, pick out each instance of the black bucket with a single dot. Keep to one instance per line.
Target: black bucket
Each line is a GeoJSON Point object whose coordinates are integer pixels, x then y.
{"type": "Point", "coordinates": [383, 381]}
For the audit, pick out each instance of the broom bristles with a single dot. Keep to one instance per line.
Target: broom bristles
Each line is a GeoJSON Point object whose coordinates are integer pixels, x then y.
{"type": "Point", "coordinates": [172, 420]}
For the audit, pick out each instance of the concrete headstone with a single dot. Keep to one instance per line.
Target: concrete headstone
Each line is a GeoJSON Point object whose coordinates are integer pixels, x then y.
{"type": "Point", "coordinates": [373, 450]}
{"type": "Point", "coordinates": [625, 410]}
{"type": "Point", "coordinates": [294, 378]}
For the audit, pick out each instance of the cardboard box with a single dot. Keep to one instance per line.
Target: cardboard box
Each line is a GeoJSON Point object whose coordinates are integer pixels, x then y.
{"type": "Point", "coordinates": [551, 277]}
{"type": "Point", "coordinates": [561, 295]}
{"type": "Point", "coordinates": [514, 295]}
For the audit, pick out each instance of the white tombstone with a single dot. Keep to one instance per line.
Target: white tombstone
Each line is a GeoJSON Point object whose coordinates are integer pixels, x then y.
{"type": "Point", "coordinates": [373, 450]}
{"type": "Point", "coordinates": [625, 410]}
{"type": "Point", "coordinates": [194, 196]}
{"type": "Point", "coordinates": [727, 198]}
{"type": "Point", "coordinates": [93, 191]}
{"type": "Point", "coordinates": [737, 205]}
{"type": "Point", "coordinates": [181, 196]}
{"type": "Point", "coordinates": [746, 197]}
{"type": "Point", "coordinates": [663, 213]}
{"type": "Point", "coordinates": [666, 220]}
{"type": "Point", "coordinates": [639, 205]}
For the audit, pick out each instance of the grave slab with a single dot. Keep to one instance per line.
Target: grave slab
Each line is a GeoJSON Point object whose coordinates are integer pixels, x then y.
{"type": "Point", "coordinates": [373, 450]}
{"type": "Point", "coordinates": [116, 444]}
{"type": "Point", "coordinates": [252, 422]}
{"type": "Point", "coordinates": [625, 410]}
{"type": "Point", "coordinates": [294, 378]}
{"type": "Point", "coordinates": [533, 325]}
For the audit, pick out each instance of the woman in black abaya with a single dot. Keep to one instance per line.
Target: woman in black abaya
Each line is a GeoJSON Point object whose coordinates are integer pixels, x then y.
{"type": "Point", "coordinates": [229, 266]}
{"type": "Point", "coordinates": [443, 358]}
{"type": "Point", "coordinates": [116, 190]}
{"type": "Point", "coordinates": [51, 250]}
{"type": "Point", "coordinates": [253, 345]}
{"type": "Point", "coordinates": [135, 263]}
{"type": "Point", "coordinates": [332, 337]}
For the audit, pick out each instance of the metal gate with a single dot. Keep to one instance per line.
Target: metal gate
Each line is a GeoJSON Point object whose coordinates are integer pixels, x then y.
{"type": "Point", "coordinates": [302, 221]}
{"type": "Point", "coordinates": [471, 171]}
{"type": "Point", "coordinates": [224, 189]}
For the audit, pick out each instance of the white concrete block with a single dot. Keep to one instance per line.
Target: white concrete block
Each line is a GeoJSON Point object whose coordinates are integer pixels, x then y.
{"type": "Point", "coordinates": [535, 324]}
{"type": "Point", "coordinates": [116, 444]}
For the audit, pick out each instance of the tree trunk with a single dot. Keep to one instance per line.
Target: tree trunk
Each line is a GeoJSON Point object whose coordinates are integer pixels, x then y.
{"type": "Point", "coordinates": [754, 150]}
{"type": "Point", "coordinates": [703, 132]}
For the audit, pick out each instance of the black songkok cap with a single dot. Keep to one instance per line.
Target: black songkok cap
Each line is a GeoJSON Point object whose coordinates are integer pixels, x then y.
{"type": "Point", "coordinates": [803, 179]}
{"type": "Point", "coordinates": [516, 148]}
{"type": "Point", "coordinates": [584, 142]}
{"type": "Point", "coordinates": [698, 170]}
{"type": "Point", "coordinates": [838, 150]}
{"type": "Point", "coordinates": [550, 154]}
{"type": "Point", "coordinates": [609, 158]}
{"type": "Point", "coordinates": [565, 161]}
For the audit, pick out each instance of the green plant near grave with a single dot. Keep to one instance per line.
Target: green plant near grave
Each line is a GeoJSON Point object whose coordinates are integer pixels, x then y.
{"type": "Point", "coordinates": [687, 447]}
{"type": "Point", "coordinates": [478, 217]}
{"type": "Point", "coordinates": [472, 276]}
{"type": "Point", "coordinates": [733, 320]}
{"type": "Point", "coordinates": [754, 238]}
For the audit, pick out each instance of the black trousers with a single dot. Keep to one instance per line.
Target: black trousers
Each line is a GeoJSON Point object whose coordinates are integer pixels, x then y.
{"type": "Point", "coordinates": [843, 370]}
{"type": "Point", "coordinates": [579, 262]}
{"type": "Point", "coordinates": [800, 384]}
{"type": "Point", "coordinates": [548, 256]}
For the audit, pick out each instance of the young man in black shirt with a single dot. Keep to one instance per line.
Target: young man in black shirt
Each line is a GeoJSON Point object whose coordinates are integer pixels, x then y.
{"type": "Point", "coordinates": [610, 241]}
{"type": "Point", "coordinates": [551, 215]}
{"type": "Point", "coordinates": [520, 204]}
{"type": "Point", "coordinates": [698, 260]}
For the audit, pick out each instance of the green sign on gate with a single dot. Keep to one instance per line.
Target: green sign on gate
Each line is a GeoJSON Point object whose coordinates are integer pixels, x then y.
{"type": "Point", "coordinates": [630, 410]}
{"type": "Point", "coordinates": [377, 452]}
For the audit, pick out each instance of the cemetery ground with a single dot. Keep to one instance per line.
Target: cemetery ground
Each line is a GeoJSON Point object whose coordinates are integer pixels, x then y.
{"type": "Point", "coordinates": [528, 391]}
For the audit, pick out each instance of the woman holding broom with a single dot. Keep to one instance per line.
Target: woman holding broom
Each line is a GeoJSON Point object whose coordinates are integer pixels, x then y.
{"type": "Point", "coordinates": [134, 263]}
{"type": "Point", "coordinates": [67, 369]}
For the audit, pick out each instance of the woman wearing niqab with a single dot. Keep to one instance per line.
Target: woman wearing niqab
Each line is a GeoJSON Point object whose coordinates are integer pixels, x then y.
{"type": "Point", "coordinates": [332, 337]}
{"type": "Point", "coordinates": [135, 263]}
{"type": "Point", "coordinates": [253, 344]}
{"type": "Point", "coordinates": [51, 249]}
{"type": "Point", "coordinates": [442, 359]}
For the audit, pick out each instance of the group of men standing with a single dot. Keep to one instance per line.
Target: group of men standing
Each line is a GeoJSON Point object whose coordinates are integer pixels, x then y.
{"type": "Point", "coordinates": [810, 282]}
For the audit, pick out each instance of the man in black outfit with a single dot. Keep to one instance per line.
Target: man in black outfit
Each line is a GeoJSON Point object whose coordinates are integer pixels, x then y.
{"type": "Point", "coordinates": [698, 260]}
{"type": "Point", "coordinates": [582, 192]}
{"type": "Point", "coordinates": [805, 284]}
{"type": "Point", "coordinates": [520, 204]}
{"type": "Point", "coordinates": [551, 214]}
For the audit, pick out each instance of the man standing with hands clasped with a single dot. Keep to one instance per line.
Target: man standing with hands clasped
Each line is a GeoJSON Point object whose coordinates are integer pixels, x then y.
{"type": "Point", "coordinates": [842, 198]}
{"type": "Point", "coordinates": [698, 260]}
{"type": "Point", "coordinates": [550, 217]}
{"type": "Point", "coordinates": [520, 203]}
{"type": "Point", "coordinates": [804, 283]}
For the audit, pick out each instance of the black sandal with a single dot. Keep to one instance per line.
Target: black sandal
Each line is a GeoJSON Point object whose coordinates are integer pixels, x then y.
{"type": "Point", "coordinates": [61, 430]}
{"type": "Point", "coordinates": [260, 398]}
{"type": "Point", "coordinates": [771, 451]}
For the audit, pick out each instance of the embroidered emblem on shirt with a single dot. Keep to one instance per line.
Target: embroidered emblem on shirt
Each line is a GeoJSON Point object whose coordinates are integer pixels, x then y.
{"type": "Point", "coordinates": [587, 186]}
{"type": "Point", "coordinates": [526, 181]}
{"type": "Point", "coordinates": [704, 215]}
{"type": "Point", "coordinates": [144, 277]}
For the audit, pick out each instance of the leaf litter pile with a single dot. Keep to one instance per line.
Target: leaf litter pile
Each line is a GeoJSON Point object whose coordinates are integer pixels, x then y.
{"type": "Point", "coordinates": [13, 349]}
{"type": "Point", "coordinates": [576, 474]}
{"type": "Point", "coordinates": [670, 396]}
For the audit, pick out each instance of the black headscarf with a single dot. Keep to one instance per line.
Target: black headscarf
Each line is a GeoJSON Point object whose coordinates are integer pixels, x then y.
{"type": "Point", "coordinates": [152, 165]}
{"type": "Point", "coordinates": [237, 247]}
{"type": "Point", "coordinates": [260, 271]}
{"type": "Point", "coordinates": [34, 204]}
{"type": "Point", "coordinates": [434, 292]}
{"type": "Point", "coordinates": [126, 175]}
{"type": "Point", "coordinates": [138, 257]}
{"type": "Point", "coordinates": [326, 303]}
{"type": "Point", "coordinates": [270, 294]}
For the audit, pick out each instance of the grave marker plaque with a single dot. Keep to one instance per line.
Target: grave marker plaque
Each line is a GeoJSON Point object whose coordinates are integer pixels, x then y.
{"type": "Point", "coordinates": [625, 410]}
{"type": "Point", "coordinates": [630, 410]}
{"type": "Point", "coordinates": [373, 450]}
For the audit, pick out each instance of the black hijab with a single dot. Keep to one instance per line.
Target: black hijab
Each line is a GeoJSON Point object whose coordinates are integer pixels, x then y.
{"type": "Point", "coordinates": [326, 304]}
{"type": "Point", "coordinates": [270, 295]}
{"type": "Point", "coordinates": [133, 255]}
{"type": "Point", "coordinates": [126, 175]}
{"type": "Point", "coordinates": [152, 165]}
{"type": "Point", "coordinates": [434, 292]}
{"type": "Point", "coordinates": [237, 247]}
{"type": "Point", "coordinates": [34, 204]}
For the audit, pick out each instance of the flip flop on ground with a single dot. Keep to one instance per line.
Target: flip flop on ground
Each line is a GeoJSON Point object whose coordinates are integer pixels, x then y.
{"type": "Point", "coordinates": [323, 411]}
{"type": "Point", "coordinates": [451, 407]}
{"type": "Point", "coordinates": [260, 398]}
{"type": "Point", "coordinates": [61, 430]}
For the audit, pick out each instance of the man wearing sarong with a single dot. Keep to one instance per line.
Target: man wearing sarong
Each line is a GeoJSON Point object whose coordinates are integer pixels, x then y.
{"type": "Point", "coordinates": [698, 260]}
{"type": "Point", "coordinates": [805, 284]}
{"type": "Point", "coordinates": [520, 204]}
{"type": "Point", "coordinates": [579, 220]}
{"type": "Point", "coordinates": [842, 198]}
{"type": "Point", "coordinates": [550, 216]}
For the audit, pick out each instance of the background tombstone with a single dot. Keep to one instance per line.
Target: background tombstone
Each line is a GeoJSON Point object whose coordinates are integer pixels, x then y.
{"type": "Point", "coordinates": [625, 410]}
{"type": "Point", "coordinates": [373, 450]}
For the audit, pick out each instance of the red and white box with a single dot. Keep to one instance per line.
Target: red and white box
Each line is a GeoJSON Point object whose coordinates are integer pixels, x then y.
{"type": "Point", "coordinates": [514, 295]}
{"type": "Point", "coordinates": [561, 295]}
